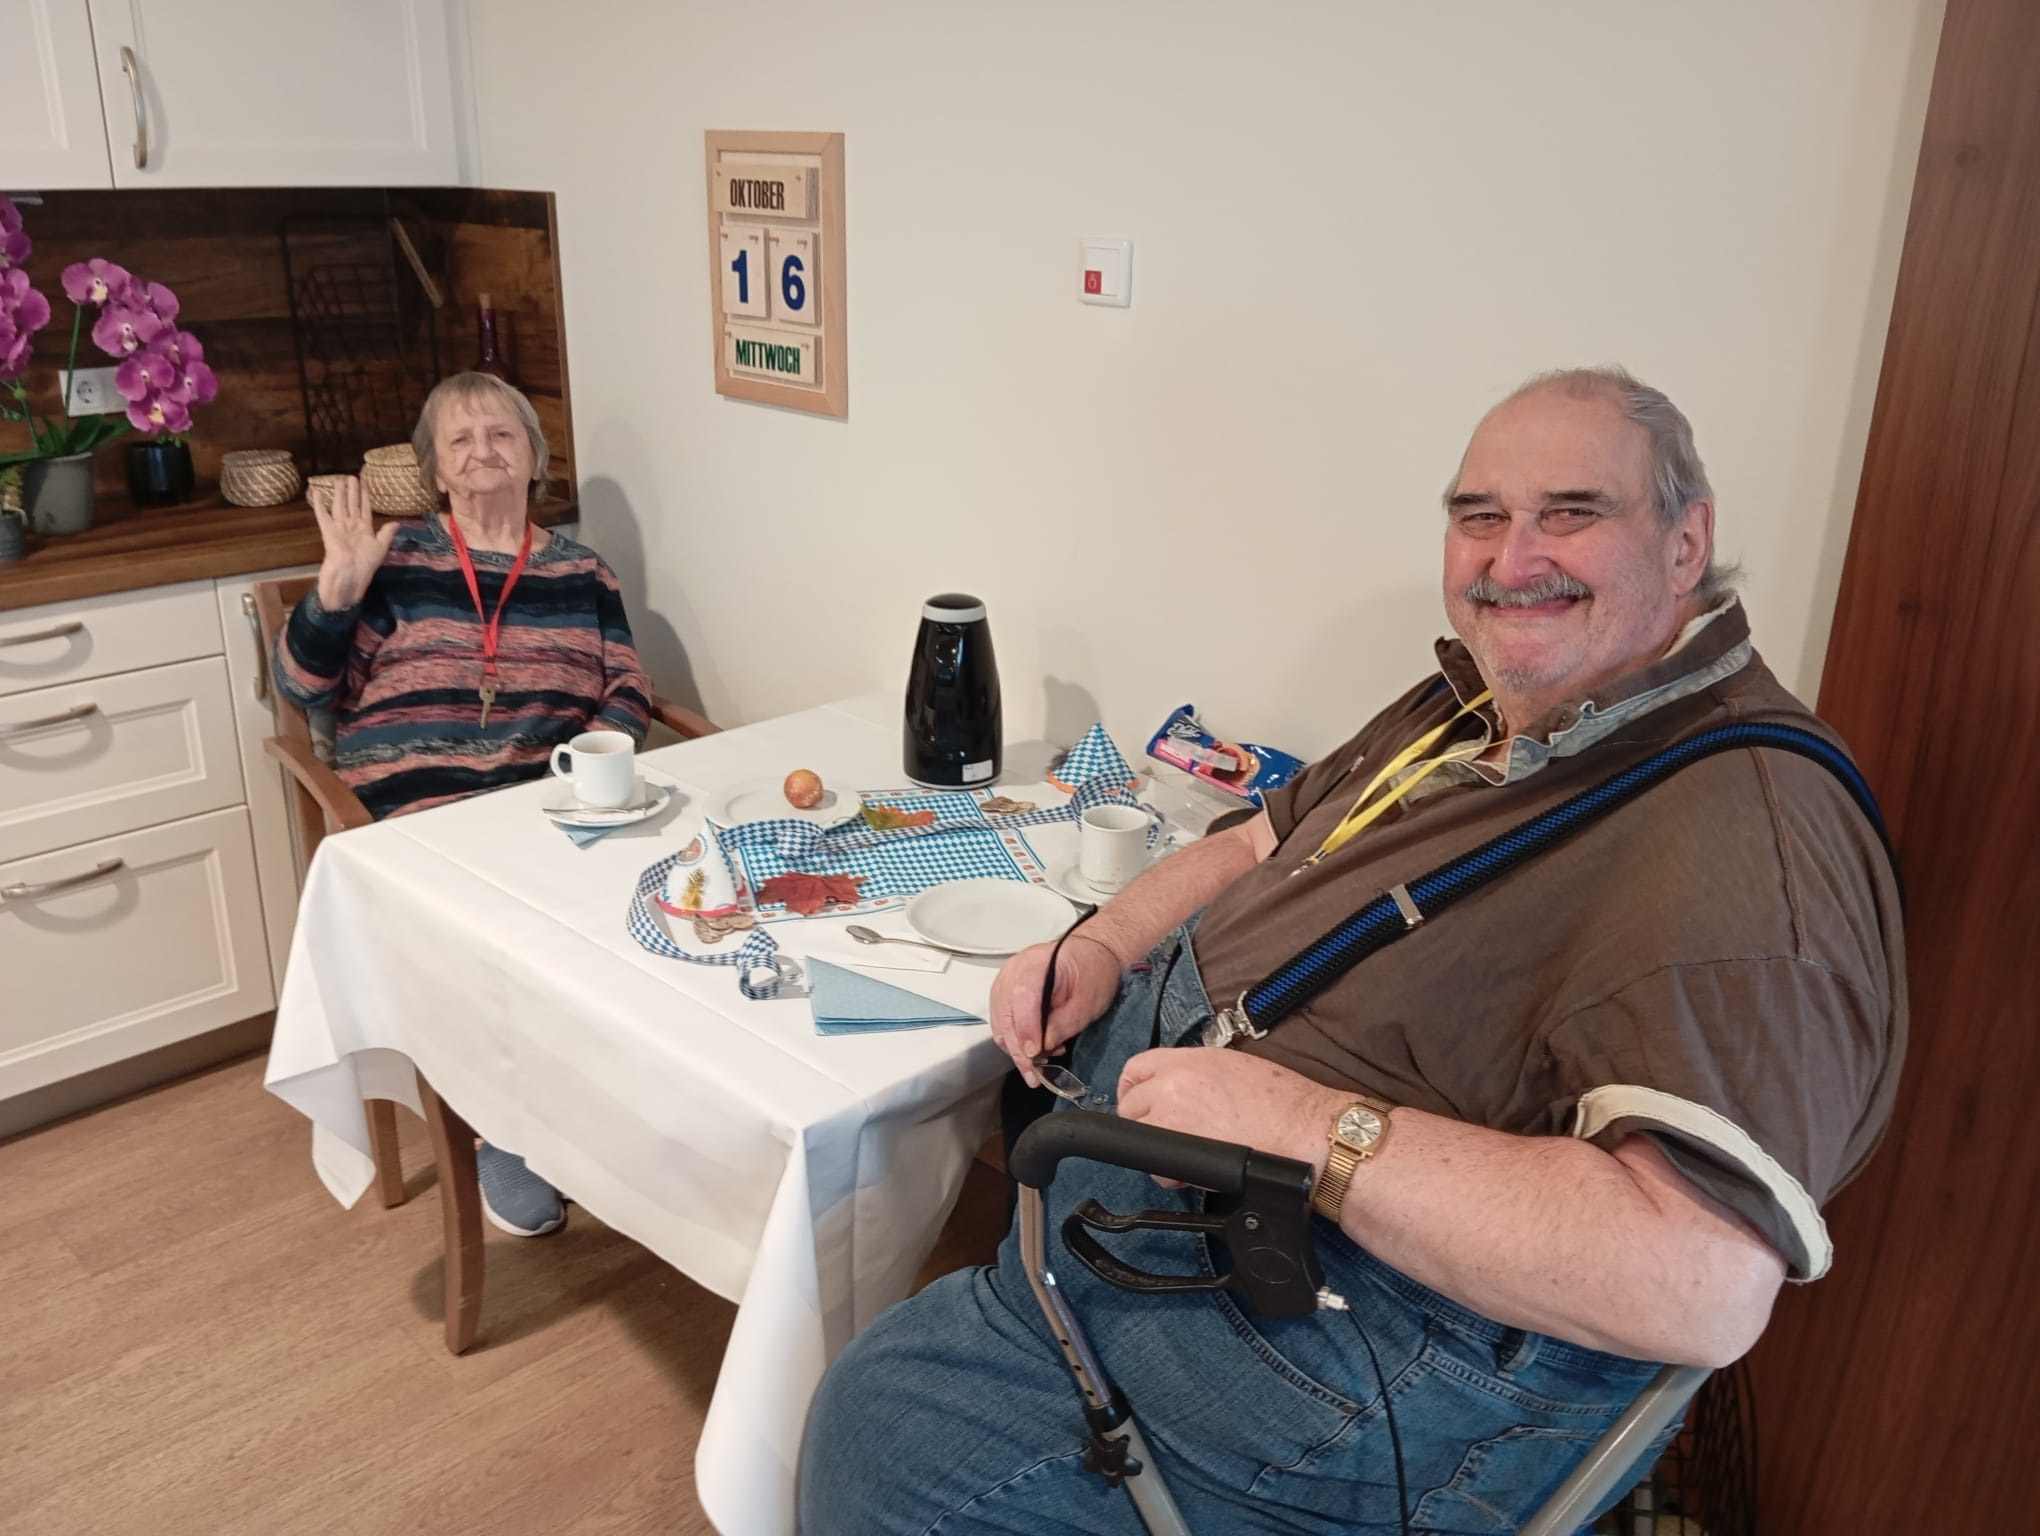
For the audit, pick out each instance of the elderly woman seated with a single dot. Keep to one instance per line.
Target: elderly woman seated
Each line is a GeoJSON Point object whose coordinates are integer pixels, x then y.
{"type": "Point", "coordinates": [456, 651]}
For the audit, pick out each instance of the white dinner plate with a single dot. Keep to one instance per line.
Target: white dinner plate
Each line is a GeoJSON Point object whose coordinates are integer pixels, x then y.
{"type": "Point", "coordinates": [988, 917]}
{"type": "Point", "coordinates": [765, 800]}
{"type": "Point", "coordinates": [647, 799]}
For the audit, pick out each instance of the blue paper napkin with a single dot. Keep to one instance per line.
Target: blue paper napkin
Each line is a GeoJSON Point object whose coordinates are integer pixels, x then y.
{"type": "Point", "coordinates": [581, 837]}
{"type": "Point", "coordinates": [847, 1003]}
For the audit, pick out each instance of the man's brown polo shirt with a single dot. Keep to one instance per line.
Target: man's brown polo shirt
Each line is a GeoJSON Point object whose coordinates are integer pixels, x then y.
{"type": "Point", "coordinates": [1718, 964]}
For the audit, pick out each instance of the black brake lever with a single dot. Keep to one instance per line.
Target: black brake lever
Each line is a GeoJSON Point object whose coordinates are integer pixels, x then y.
{"type": "Point", "coordinates": [1264, 1226]}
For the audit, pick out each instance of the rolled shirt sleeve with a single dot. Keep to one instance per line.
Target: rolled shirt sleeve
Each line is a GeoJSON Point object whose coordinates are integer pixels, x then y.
{"type": "Point", "coordinates": [1756, 1077]}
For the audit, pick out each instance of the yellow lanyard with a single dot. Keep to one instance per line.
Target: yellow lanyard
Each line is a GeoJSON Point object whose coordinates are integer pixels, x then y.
{"type": "Point", "coordinates": [1367, 808]}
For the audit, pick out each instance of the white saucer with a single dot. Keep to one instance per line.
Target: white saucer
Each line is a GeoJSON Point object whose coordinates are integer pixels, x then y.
{"type": "Point", "coordinates": [988, 917]}
{"type": "Point", "coordinates": [1068, 880]}
{"type": "Point", "coordinates": [647, 799]}
{"type": "Point", "coordinates": [765, 800]}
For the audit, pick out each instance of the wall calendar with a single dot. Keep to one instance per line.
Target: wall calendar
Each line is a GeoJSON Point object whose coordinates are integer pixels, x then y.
{"type": "Point", "coordinates": [775, 263]}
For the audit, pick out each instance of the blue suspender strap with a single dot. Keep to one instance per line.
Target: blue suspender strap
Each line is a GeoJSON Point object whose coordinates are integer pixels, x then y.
{"type": "Point", "coordinates": [1394, 913]}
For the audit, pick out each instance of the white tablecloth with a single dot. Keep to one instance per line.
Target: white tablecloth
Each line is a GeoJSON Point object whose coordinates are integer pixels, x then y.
{"type": "Point", "coordinates": [804, 1178]}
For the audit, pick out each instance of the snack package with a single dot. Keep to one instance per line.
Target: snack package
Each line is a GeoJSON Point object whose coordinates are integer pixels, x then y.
{"type": "Point", "coordinates": [1241, 768]}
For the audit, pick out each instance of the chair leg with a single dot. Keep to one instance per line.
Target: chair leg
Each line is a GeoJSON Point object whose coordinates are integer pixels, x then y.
{"type": "Point", "coordinates": [382, 1142]}
{"type": "Point", "coordinates": [460, 1201]}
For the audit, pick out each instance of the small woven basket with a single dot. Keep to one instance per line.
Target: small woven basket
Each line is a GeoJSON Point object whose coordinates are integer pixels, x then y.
{"type": "Point", "coordinates": [259, 477]}
{"type": "Point", "coordinates": [319, 489]}
{"type": "Point", "coordinates": [390, 476]}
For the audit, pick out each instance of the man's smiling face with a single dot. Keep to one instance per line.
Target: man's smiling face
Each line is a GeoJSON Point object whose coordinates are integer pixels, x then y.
{"type": "Point", "coordinates": [1560, 575]}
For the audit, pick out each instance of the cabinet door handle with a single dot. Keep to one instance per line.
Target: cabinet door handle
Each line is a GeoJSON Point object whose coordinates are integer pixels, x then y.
{"type": "Point", "coordinates": [54, 632]}
{"type": "Point", "coordinates": [29, 889]}
{"type": "Point", "coordinates": [23, 727]}
{"type": "Point", "coordinates": [261, 655]}
{"type": "Point", "coordinates": [133, 71]}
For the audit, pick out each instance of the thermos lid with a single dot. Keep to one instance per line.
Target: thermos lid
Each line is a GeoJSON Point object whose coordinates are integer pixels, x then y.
{"type": "Point", "coordinates": [953, 608]}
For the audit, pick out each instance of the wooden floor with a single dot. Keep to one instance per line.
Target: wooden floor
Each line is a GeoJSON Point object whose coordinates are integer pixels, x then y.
{"type": "Point", "coordinates": [195, 1339]}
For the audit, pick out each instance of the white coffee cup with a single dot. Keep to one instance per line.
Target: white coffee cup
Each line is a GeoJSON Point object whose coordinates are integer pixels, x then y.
{"type": "Point", "coordinates": [604, 768]}
{"type": "Point", "coordinates": [1112, 845]}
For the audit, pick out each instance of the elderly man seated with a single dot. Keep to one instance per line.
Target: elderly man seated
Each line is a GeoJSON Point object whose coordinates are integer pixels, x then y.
{"type": "Point", "coordinates": [1579, 1124]}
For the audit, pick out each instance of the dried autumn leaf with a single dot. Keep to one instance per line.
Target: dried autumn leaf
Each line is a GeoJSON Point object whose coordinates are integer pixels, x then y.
{"type": "Point", "coordinates": [889, 818]}
{"type": "Point", "coordinates": [1000, 805]}
{"type": "Point", "coordinates": [808, 894]}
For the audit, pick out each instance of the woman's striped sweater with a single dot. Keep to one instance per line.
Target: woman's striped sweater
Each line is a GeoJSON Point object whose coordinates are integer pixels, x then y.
{"type": "Point", "coordinates": [401, 670]}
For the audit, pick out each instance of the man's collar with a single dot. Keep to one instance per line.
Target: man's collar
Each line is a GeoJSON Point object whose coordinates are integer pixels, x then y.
{"type": "Point", "coordinates": [1711, 647]}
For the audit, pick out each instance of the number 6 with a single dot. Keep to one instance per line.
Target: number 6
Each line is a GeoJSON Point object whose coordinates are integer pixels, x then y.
{"type": "Point", "coordinates": [791, 288]}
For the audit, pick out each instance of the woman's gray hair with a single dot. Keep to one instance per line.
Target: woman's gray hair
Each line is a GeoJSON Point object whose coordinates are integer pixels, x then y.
{"type": "Point", "coordinates": [470, 388]}
{"type": "Point", "coordinates": [1677, 477]}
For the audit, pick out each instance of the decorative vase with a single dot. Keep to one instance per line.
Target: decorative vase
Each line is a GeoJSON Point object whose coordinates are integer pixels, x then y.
{"type": "Point", "coordinates": [58, 493]}
{"type": "Point", "coordinates": [159, 474]}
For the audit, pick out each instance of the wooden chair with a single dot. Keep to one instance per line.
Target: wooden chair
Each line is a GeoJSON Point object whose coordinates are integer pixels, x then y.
{"type": "Point", "coordinates": [321, 803]}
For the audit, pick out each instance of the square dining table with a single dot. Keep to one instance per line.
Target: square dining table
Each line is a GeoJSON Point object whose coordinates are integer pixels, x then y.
{"type": "Point", "coordinates": [803, 1177]}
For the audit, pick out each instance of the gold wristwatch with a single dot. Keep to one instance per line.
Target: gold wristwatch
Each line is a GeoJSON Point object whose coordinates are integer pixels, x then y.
{"type": "Point", "coordinates": [1356, 1135]}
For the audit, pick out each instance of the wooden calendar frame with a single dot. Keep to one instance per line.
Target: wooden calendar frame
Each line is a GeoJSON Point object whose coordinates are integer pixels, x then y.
{"type": "Point", "coordinates": [829, 395]}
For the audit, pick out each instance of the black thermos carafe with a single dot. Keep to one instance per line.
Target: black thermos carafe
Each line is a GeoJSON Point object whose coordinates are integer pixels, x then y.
{"type": "Point", "coordinates": [955, 735]}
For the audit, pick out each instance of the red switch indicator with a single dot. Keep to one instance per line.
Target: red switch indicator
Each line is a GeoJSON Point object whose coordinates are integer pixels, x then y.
{"type": "Point", "coordinates": [1094, 280]}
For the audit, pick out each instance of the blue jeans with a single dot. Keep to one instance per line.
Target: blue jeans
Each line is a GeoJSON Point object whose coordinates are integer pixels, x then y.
{"type": "Point", "coordinates": [954, 1412]}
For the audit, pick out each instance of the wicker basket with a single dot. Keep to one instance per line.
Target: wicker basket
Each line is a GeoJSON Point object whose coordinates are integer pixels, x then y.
{"type": "Point", "coordinates": [259, 477]}
{"type": "Point", "coordinates": [319, 489]}
{"type": "Point", "coordinates": [391, 478]}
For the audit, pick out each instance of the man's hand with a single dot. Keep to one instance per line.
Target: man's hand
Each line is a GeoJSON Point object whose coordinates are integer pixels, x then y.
{"type": "Point", "coordinates": [1229, 1096]}
{"type": "Point", "coordinates": [1086, 981]}
{"type": "Point", "coordinates": [354, 546]}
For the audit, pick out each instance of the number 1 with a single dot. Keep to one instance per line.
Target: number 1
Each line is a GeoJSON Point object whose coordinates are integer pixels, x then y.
{"type": "Point", "coordinates": [742, 267]}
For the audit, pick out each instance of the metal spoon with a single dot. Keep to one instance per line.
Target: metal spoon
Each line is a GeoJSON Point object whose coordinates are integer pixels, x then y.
{"type": "Point", "coordinates": [864, 935]}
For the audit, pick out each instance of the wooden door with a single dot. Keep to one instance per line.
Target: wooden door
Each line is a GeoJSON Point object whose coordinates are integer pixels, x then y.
{"type": "Point", "coordinates": [249, 93]}
{"type": "Point", "coordinates": [1902, 1392]}
{"type": "Point", "coordinates": [51, 133]}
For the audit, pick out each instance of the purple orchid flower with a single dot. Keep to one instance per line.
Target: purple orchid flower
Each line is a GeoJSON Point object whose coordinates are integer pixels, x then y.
{"type": "Point", "coordinates": [27, 309]}
{"type": "Point", "coordinates": [14, 249]}
{"type": "Point", "coordinates": [96, 281]}
{"type": "Point", "coordinates": [122, 328]}
{"type": "Point", "coordinates": [10, 217]}
{"type": "Point", "coordinates": [143, 374]}
{"type": "Point", "coordinates": [159, 414]}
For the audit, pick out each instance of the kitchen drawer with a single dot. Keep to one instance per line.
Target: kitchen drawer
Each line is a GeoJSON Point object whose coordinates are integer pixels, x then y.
{"type": "Point", "coordinates": [98, 636]}
{"type": "Point", "coordinates": [87, 760]}
{"type": "Point", "coordinates": [161, 939]}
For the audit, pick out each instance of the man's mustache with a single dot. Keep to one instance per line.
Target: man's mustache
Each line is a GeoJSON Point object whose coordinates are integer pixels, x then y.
{"type": "Point", "coordinates": [1546, 589]}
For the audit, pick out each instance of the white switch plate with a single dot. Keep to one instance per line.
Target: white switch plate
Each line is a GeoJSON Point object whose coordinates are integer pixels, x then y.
{"type": "Point", "coordinates": [1105, 271]}
{"type": "Point", "coordinates": [92, 392]}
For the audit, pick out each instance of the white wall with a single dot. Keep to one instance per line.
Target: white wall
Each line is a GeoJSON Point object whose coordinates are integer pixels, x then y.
{"type": "Point", "coordinates": [1355, 225]}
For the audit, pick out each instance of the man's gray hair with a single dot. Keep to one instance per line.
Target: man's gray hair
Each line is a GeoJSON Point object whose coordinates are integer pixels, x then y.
{"type": "Point", "coordinates": [472, 389]}
{"type": "Point", "coordinates": [1677, 477]}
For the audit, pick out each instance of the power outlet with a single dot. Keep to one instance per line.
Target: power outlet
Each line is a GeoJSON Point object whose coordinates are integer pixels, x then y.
{"type": "Point", "coordinates": [91, 391]}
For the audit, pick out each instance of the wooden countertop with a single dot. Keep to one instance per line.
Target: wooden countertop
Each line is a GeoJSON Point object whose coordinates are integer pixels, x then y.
{"type": "Point", "coordinates": [129, 547]}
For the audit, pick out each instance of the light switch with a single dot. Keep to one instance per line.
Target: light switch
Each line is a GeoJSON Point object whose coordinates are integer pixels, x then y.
{"type": "Point", "coordinates": [1106, 271]}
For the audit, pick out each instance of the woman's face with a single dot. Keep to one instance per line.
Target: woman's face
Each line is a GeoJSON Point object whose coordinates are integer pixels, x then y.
{"type": "Point", "coordinates": [481, 449]}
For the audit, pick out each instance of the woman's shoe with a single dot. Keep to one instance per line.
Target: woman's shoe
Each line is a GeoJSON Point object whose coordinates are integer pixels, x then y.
{"type": "Point", "coordinates": [515, 1199]}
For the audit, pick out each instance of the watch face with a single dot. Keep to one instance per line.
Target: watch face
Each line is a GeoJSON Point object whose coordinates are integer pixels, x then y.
{"type": "Point", "coordinates": [1359, 1127]}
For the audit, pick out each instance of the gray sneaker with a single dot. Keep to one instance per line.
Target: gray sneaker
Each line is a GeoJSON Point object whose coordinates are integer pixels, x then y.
{"type": "Point", "coordinates": [515, 1199]}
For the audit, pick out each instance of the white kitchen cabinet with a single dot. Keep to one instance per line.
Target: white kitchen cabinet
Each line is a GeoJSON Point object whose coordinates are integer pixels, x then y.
{"type": "Point", "coordinates": [51, 131]}
{"type": "Point", "coordinates": [234, 93]}
{"type": "Point", "coordinates": [115, 947]}
{"type": "Point", "coordinates": [279, 863]}
{"type": "Point", "coordinates": [86, 760]}
{"type": "Point", "coordinates": [249, 93]}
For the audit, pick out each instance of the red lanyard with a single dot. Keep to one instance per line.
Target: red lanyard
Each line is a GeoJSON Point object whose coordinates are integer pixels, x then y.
{"type": "Point", "coordinates": [491, 627]}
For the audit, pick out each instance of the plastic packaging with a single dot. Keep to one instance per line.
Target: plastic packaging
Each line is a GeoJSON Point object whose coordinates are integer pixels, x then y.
{"type": "Point", "coordinates": [1241, 768]}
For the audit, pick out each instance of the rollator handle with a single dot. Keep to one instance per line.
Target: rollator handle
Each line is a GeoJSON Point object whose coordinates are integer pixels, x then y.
{"type": "Point", "coordinates": [1219, 1166]}
{"type": "Point", "coordinates": [1258, 1209]}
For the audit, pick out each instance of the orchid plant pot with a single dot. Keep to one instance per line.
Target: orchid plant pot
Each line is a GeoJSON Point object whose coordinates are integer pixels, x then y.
{"type": "Point", "coordinates": [57, 493]}
{"type": "Point", "coordinates": [13, 537]}
{"type": "Point", "coordinates": [159, 473]}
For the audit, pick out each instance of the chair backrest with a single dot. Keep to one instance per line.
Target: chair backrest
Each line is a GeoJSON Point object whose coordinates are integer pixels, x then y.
{"type": "Point", "coordinates": [274, 601]}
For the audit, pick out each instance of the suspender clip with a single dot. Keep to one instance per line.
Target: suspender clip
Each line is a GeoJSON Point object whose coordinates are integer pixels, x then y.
{"type": "Point", "coordinates": [1230, 1024]}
